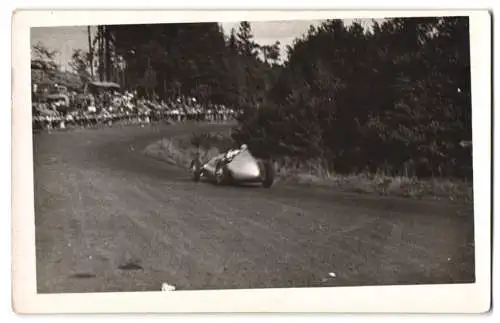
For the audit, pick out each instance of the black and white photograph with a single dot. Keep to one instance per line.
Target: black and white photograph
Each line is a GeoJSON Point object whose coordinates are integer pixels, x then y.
{"type": "Point", "coordinates": [251, 154]}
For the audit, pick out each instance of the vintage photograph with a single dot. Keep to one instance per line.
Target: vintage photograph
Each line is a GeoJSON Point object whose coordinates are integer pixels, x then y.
{"type": "Point", "coordinates": [252, 154]}
{"type": "Point", "coordinates": [247, 162]}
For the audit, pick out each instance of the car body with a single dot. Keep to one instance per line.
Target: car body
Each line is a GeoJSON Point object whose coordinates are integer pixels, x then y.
{"type": "Point", "coordinates": [234, 167]}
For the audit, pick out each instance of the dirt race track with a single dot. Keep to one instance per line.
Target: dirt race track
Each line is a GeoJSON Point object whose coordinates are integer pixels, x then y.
{"type": "Point", "coordinates": [110, 219]}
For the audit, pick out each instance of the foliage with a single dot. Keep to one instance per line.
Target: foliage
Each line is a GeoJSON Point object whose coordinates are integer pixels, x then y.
{"type": "Point", "coordinates": [45, 70]}
{"type": "Point", "coordinates": [187, 59]}
{"type": "Point", "coordinates": [42, 58]}
{"type": "Point", "coordinates": [80, 64]}
{"type": "Point", "coordinates": [394, 99]}
{"type": "Point", "coordinates": [182, 150]}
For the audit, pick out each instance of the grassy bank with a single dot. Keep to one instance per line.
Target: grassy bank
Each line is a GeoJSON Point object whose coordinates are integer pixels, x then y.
{"type": "Point", "coordinates": [181, 151]}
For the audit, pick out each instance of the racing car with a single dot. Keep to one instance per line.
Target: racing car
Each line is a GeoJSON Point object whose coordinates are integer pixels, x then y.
{"type": "Point", "coordinates": [234, 167]}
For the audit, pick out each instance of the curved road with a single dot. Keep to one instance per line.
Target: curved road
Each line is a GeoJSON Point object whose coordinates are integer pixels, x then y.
{"type": "Point", "coordinates": [110, 219]}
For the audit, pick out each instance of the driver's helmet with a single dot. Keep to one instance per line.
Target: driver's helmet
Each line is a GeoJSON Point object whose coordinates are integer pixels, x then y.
{"type": "Point", "coordinates": [243, 147]}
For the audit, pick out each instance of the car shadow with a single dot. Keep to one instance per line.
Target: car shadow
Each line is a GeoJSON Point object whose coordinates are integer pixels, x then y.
{"type": "Point", "coordinates": [213, 184]}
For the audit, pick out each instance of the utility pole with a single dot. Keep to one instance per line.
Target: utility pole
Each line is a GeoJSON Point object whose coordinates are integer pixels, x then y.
{"type": "Point", "coordinates": [91, 53]}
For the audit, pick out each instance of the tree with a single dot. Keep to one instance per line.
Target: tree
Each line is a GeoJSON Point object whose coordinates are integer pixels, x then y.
{"type": "Point", "coordinates": [80, 64]}
{"type": "Point", "coordinates": [233, 42]}
{"type": "Point", "coordinates": [90, 54]}
{"type": "Point", "coordinates": [104, 41]}
{"type": "Point", "coordinates": [246, 45]}
{"type": "Point", "coordinates": [46, 72]}
{"type": "Point", "coordinates": [43, 66]}
{"type": "Point", "coordinates": [44, 58]}
{"type": "Point", "coordinates": [274, 52]}
{"type": "Point", "coordinates": [396, 95]}
{"type": "Point", "coordinates": [187, 59]}
{"type": "Point", "coordinates": [271, 53]}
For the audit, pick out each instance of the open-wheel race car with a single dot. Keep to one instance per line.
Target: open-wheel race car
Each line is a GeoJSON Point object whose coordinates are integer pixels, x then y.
{"type": "Point", "coordinates": [234, 167]}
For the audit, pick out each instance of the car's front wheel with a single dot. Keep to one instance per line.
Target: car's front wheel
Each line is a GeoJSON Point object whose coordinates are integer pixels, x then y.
{"type": "Point", "coordinates": [220, 174]}
{"type": "Point", "coordinates": [196, 170]}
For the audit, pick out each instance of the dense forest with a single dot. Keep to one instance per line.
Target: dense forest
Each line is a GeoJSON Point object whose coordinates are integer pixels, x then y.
{"type": "Point", "coordinates": [394, 98]}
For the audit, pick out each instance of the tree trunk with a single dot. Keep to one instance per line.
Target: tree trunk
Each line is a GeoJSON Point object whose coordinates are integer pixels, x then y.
{"type": "Point", "coordinates": [107, 54]}
{"type": "Point", "coordinates": [100, 52]}
{"type": "Point", "coordinates": [164, 94]}
{"type": "Point", "coordinates": [91, 53]}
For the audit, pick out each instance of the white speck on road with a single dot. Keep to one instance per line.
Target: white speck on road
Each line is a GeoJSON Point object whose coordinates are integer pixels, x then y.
{"type": "Point", "coordinates": [165, 287]}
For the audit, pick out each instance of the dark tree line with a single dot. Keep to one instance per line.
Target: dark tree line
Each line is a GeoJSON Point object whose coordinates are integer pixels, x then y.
{"type": "Point", "coordinates": [183, 59]}
{"type": "Point", "coordinates": [395, 98]}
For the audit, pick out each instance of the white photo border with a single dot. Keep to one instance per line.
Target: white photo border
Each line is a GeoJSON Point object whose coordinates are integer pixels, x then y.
{"type": "Point", "coordinates": [455, 298]}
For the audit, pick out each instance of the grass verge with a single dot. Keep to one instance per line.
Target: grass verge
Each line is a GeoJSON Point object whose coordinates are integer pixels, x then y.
{"type": "Point", "coordinates": [183, 149]}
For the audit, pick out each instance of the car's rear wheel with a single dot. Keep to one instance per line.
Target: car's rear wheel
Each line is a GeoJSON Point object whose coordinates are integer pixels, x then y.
{"type": "Point", "coordinates": [196, 170]}
{"type": "Point", "coordinates": [268, 173]}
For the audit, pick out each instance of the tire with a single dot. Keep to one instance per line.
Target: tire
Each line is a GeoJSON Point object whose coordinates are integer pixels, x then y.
{"type": "Point", "coordinates": [221, 175]}
{"type": "Point", "coordinates": [268, 171]}
{"type": "Point", "coordinates": [196, 170]}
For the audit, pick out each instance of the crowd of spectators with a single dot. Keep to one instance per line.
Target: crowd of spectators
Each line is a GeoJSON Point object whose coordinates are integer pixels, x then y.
{"type": "Point", "coordinates": [71, 109]}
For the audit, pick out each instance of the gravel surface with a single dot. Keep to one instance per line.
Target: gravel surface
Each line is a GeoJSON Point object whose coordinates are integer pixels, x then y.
{"type": "Point", "coordinates": [110, 219]}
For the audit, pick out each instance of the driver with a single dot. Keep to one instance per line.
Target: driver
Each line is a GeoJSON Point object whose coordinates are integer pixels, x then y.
{"type": "Point", "coordinates": [233, 152]}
